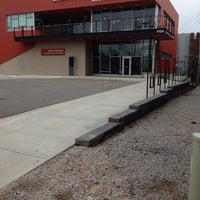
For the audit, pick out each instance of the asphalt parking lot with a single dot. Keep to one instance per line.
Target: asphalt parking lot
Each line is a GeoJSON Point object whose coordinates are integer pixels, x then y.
{"type": "Point", "coordinates": [21, 95]}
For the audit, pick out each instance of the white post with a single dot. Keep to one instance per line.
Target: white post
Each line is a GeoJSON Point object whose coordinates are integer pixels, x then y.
{"type": "Point", "coordinates": [91, 22]}
{"type": "Point", "coordinates": [194, 193]}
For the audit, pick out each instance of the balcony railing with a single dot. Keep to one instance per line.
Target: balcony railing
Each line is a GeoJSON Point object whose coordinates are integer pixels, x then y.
{"type": "Point", "coordinates": [105, 26]}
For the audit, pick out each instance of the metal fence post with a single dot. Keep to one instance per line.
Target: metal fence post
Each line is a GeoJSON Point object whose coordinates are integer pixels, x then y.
{"type": "Point", "coordinates": [149, 67]}
{"type": "Point", "coordinates": [194, 193]}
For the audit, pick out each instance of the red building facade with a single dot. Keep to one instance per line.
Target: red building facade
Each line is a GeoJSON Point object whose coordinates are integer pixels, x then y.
{"type": "Point", "coordinates": [75, 37]}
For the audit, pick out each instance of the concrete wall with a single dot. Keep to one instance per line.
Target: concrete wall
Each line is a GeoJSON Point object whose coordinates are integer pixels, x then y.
{"type": "Point", "coordinates": [32, 62]}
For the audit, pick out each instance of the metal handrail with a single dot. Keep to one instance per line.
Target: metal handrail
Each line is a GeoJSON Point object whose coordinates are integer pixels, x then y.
{"type": "Point", "coordinates": [146, 23]}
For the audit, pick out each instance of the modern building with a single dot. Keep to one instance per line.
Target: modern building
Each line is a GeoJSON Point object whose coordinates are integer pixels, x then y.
{"type": "Point", "coordinates": [188, 54]}
{"type": "Point", "coordinates": [87, 37]}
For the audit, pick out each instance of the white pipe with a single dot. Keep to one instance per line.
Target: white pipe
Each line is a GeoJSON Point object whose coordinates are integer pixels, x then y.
{"type": "Point", "coordinates": [194, 193]}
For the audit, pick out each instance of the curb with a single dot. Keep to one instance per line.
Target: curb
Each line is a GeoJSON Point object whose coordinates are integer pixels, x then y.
{"type": "Point", "coordinates": [126, 117]}
{"type": "Point", "coordinates": [118, 122]}
{"type": "Point", "coordinates": [147, 105]}
{"type": "Point", "coordinates": [98, 135]}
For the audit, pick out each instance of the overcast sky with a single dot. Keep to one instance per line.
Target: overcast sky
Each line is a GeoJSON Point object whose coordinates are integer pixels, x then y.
{"type": "Point", "coordinates": [189, 15]}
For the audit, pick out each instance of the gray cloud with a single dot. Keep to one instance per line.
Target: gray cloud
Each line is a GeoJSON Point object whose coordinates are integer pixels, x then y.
{"type": "Point", "coordinates": [189, 15]}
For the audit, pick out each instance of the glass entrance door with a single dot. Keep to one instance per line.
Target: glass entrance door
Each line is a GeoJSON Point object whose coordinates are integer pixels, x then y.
{"type": "Point", "coordinates": [126, 65]}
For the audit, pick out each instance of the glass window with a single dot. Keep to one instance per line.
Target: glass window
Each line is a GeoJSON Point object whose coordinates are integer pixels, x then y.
{"type": "Point", "coordinates": [87, 27]}
{"type": "Point", "coordinates": [169, 23]}
{"type": "Point", "coordinates": [116, 14]}
{"type": "Point", "coordinates": [78, 28]}
{"type": "Point", "coordinates": [105, 64]}
{"type": "Point", "coordinates": [96, 16]}
{"type": "Point", "coordinates": [14, 17]}
{"type": "Point", "coordinates": [15, 23]}
{"type": "Point", "coordinates": [29, 20]}
{"type": "Point", "coordinates": [116, 20]}
{"type": "Point", "coordinates": [136, 65]}
{"type": "Point", "coordinates": [105, 26]}
{"type": "Point", "coordinates": [138, 48]}
{"type": "Point", "coordinates": [127, 14]}
{"type": "Point", "coordinates": [116, 25]}
{"type": "Point", "coordinates": [108, 57]}
{"type": "Point", "coordinates": [96, 49]}
{"type": "Point", "coordinates": [105, 58]}
{"type": "Point", "coordinates": [96, 22]}
{"type": "Point", "coordinates": [127, 24]}
{"type": "Point", "coordinates": [138, 12]}
{"type": "Point", "coordinates": [96, 65]}
{"type": "Point", "coordinates": [136, 18]}
{"type": "Point", "coordinates": [96, 26]}
{"type": "Point", "coordinates": [105, 50]}
{"type": "Point", "coordinates": [149, 17]}
{"type": "Point", "coordinates": [138, 15]}
{"type": "Point", "coordinates": [106, 15]}
{"type": "Point", "coordinates": [115, 65]}
{"type": "Point", "coordinates": [138, 23]}
{"type": "Point", "coordinates": [25, 20]}
{"type": "Point", "coordinates": [150, 12]}
{"type": "Point", "coordinates": [127, 49]}
{"type": "Point", "coordinates": [105, 23]}
{"type": "Point", "coordinates": [29, 14]}
{"type": "Point", "coordinates": [9, 26]}
{"type": "Point", "coordinates": [145, 55]}
{"type": "Point", "coordinates": [115, 50]}
{"type": "Point", "coordinates": [22, 20]}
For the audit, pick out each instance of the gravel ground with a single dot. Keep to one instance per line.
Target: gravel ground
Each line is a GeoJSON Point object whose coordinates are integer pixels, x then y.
{"type": "Point", "coordinates": [149, 160]}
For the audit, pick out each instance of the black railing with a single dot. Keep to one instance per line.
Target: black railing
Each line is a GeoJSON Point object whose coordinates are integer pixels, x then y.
{"type": "Point", "coordinates": [58, 30]}
{"type": "Point", "coordinates": [160, 81]}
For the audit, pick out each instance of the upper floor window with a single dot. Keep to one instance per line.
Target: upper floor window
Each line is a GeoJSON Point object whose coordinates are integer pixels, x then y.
{"type": "Point", "coordinates": [25, 20]}
{"type": "Point", "coordinates": [142, 17]}
{"type": "Point", "coordinates": [169, 23]}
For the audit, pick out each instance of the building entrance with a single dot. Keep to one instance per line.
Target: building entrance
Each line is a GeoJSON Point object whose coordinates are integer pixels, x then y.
{"type": "Point", "coordinates": [126, 58]}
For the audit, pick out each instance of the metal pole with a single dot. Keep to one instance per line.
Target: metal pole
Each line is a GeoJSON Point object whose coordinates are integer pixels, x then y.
{"type": "Point", "coordinates": [160, 80]}
{"type": "Point", "coordinates": [149, 67]}
{"type": "Point", "coordinates": [168, 72]}
{"type": "Point", "coordinates": [147, 86]}
{"type": "Point", "coordinates": [194, 193]}
{"type": "Point", "coordinates": [154, 67]}
{"type": "Point", "coordinates": [14, 32]}
{"type": "Point", "coordinates": [32, 31]}
{"type": "Point", "coordinates": [173, 71]}
{"type": "Point", "coordinates": [154, 83]}
{"type": "Point", "coordinates": [22, 31]}
{"type": "Point", "coordinates": [165, 74]}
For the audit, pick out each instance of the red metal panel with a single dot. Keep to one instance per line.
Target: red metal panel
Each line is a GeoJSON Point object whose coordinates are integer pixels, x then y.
{"type": "Point", "coordinates": [20, 6]}
{"type": "Point", "coordinates": [169, 47]}
{"type": "Point", "coordinates": [9, 48]}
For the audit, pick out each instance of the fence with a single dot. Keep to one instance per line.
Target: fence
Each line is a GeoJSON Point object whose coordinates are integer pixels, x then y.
{"type": "Point", "coordinates": [158, 82]}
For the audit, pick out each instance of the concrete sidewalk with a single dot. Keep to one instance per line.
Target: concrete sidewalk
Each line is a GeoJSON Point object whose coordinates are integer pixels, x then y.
{"type": "Point", "coordinates": [29, 139]}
